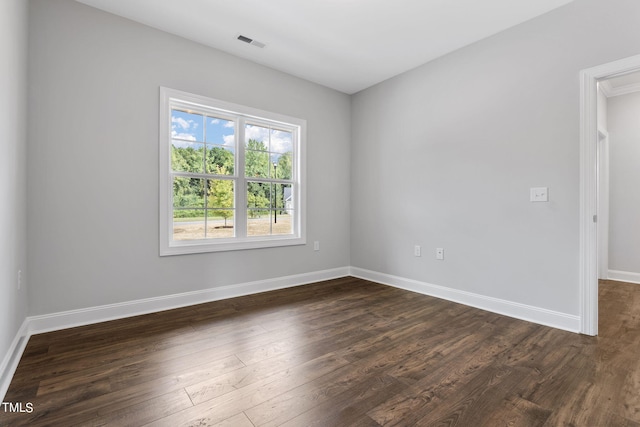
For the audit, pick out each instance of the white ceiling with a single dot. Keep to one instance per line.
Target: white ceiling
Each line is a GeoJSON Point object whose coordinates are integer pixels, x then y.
{"type": "Point", "coordinates": [347, 45]}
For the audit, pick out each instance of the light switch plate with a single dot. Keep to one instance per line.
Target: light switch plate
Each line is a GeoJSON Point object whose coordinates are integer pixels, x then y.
{"type": "Point", "coordinates": [539, 194]}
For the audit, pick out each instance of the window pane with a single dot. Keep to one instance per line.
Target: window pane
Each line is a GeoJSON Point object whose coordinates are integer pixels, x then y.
{"type": "Point", "coordinates": [281, 193]}
{"type": "Point", "coordinates": [188, 192]}
{"type": "Point", "coordinates": [284, 197]}
{"type": "Point", "coordinates": [283, 209]}
{"type": "Point", "coordinates": [263, 218]}
{"type": "Point", "coordinates": [258, 195]}
{"type": "Point", "coordinates": [220, 223]}
{"type": "Point", "coordinates": [265, 223]}
{"type": "Point", "coordinates": [281, 141]}
{"type": "Point", "coordinates": [188, 224]}
{"type": "Point", "coordinates": [187, 156]}
{"type": "Point", "coordinates": [221, 212]}
{"type": "Point", "coordinates": [282, 168]}
{"type": "Point", "coordinates": [258, 213]}
{"type": "Point", "coordinates": [256, 138]}
{"type": "Point", "coordinates": [187, 126]}
{"type": "Point", "coordinates": [282, 222]}
{"type": "Point", "coordinates": [220, 194]}
{"type": "Point", "coordinates": [221, 132]}
{"type": "Point", "coordinates": [220, 160]}
{"type": "Point", "coordinates": [258, 222]}
{"type": "Point", "coordinates": [257, 164]}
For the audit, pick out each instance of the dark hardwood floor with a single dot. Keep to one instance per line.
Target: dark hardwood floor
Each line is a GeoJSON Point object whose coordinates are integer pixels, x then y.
{"type": "Point", "coordinates": [346, 352]}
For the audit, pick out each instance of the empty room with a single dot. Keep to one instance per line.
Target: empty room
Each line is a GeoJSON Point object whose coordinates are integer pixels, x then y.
{"type": "Point", "coordinates": [329, 213]}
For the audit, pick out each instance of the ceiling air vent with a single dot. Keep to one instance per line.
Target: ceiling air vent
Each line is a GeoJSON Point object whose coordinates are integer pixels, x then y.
{"type": "Point", "coordinates": [250, 41]}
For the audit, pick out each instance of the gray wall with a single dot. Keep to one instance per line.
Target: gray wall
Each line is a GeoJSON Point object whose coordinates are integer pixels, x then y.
{"type": "Point", "coordinates": [624, 195]}
{"type": "Point", "coordinates": [13, 141]}
{"type": "Point", "coordinates": [441, 156]}
{"type": "Point", "coordinates": [93, 160]}
{"type": "Point", "coordinates": [444, 156]}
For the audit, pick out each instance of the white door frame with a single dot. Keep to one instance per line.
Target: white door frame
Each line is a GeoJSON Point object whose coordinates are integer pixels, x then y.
{"type": "Point", "coordinates": [603, 204]}
{"type": "Point", "coordinates": [589, 185]}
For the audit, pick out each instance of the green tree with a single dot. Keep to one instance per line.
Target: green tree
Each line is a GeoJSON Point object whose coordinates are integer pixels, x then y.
{"type": "Point", "coordinates": [188, 193]}
{"type": "Point", "coordinates": [221, 195]}
{"type": "Point", "coordinates": [187, 159]}
{"type": "Point", "coordinates": [256, 159]}
{"type": "Point", "coordinates": [257, 198]}
{"type": "Point", "coordinates": [257, 165]}
{"type": "Point", "coordinates": [284, 166]}
{"type": "Point", "coordinates": [218, 157]}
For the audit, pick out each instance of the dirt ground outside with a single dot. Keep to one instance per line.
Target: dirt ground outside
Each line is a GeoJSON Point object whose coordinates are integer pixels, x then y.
{"type": "Point", "coordinates": [190, 230]}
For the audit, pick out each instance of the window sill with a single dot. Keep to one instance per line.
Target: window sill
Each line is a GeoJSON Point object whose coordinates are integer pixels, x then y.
{"type": "Point", "coordinates": [198, 246]}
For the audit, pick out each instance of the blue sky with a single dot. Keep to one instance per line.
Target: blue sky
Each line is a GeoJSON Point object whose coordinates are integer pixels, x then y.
{"type": "Point", "coordinates": [191, 128]}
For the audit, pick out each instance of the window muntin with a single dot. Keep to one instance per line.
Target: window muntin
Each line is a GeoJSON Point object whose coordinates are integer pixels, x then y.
{"type": "Point", "coordinates": [234, 175]}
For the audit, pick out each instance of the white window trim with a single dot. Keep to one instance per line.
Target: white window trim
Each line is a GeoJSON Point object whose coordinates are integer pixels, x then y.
{"type": "Point", "coordinates": [170, 247]}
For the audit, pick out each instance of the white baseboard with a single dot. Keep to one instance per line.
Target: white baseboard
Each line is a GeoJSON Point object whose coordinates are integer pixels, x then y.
{"type": "Point", "coordinates": [103, 313]}
{"type": "Point", "coordinates": [624, 276]}
{"type": "Point", "coordinates": [529, 313]}
{"type": "Point", "coordinates": [68, 319]}
{"type": "Point", "coordinates": [12, 358]}
{"type": "Point", "coordinates": [86, 316]}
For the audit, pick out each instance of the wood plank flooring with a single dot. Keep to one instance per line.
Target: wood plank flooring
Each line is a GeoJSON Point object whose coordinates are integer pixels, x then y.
{"type": "Point", "coordinates": [346, 352]}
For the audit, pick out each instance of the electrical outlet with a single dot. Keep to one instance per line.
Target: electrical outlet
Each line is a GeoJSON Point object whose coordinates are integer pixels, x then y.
{"type": "Point", "coordinates": [417, 251]}
{"type": "Point", "coordinates": [539, 194]}
{"type": "Point", "coordinates": [439, 253]}
{"type": "Point", "coordinates": [316, 246]}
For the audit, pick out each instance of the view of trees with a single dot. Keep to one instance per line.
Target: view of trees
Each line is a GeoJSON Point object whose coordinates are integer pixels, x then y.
{"type": "Point", "coordinates": [189, 193]}
{"type": "Point", "coordinates": [221, 196]}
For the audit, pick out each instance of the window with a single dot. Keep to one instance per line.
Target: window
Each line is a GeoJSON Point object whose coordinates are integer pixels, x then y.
{"type": "Point", "coordinates": [231, 177]}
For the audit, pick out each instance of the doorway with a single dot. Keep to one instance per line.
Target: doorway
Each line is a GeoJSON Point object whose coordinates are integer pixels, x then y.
{"type": "Point", "coordinates": [589, 167]}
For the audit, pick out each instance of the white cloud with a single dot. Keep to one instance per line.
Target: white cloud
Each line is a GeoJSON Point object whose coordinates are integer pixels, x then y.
{"type": "Point", "coordinates": [281, 141]}
{"type": "Point", "coordinates": [229, 140]}
{"type": "Point", "coordinates": [185, 144]}
{"type": "Point", "coordinates": [186, 136]}
{"type": "Point", "coordinates": [182, 122]}
{"type": "Point", "coordinates": [223, 122]}
{"type": "Point", "coordinates": [258, 133]}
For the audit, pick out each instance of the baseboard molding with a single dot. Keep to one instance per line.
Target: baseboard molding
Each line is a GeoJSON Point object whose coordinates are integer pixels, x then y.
{"type": "Point", "coordinates": [73, 318]}
{"type": "Point", "coordinates": [624, 276]}
{"type": "Point", "coordinates": [12, 358]}
{"type": "Point", "coordinates": [529, 313]}
{"type": "Point", "coordinates": [86, 316]}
